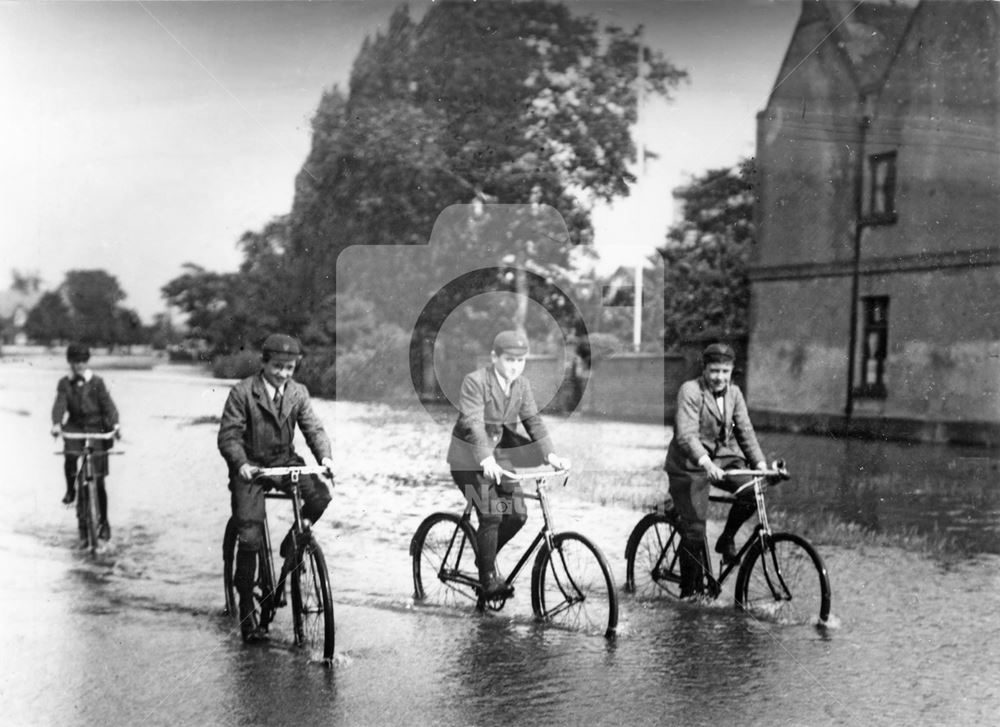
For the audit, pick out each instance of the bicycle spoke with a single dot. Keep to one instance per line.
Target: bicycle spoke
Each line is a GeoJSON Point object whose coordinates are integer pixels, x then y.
{"type": "Point", "coordinates": [573, 587]}
{"type": "Point", "coordinates": [444, 562]}
{"type": "Point", "coordinates": [786, 582]}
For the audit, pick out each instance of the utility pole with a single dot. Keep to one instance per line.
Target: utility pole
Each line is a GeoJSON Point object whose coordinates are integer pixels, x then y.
{"type": "Point", "coordinates": [637, 285]}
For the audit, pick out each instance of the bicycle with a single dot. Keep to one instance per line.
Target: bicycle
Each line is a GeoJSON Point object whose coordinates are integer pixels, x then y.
{"type": "Point", "coordinates": [312, 599]}
{"type": "Point", "coordinates": [571, 583]}
{"type": "Point", "coordinates": [781, 575]}
{"type": "Point", "coordinates": [88, 509]}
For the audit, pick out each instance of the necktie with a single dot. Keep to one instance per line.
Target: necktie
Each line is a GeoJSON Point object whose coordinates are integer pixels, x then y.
{"type": "Point", "coordinates": [277, 400]}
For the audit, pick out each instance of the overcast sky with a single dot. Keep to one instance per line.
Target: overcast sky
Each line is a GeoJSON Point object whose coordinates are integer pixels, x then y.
{"type": "Point", "coordinates": [136, 136]}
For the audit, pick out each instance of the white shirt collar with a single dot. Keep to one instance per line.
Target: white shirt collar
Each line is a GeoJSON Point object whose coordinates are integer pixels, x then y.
{"type": "Point", "coordinates": [504, 384]}
{"type": "Point", "coordinates": [271, 388]}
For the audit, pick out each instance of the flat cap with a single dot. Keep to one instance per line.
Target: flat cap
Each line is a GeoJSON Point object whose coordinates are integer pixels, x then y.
{"type": "Point", "coordinates": [718, 353]}
{"type": "Point", "coordinates": [510, 342]}
{"type": "Point", "coordinates": [281, 343]}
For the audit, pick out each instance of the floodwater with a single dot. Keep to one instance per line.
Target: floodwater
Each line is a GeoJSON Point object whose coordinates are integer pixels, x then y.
{"type": "Point", "coordinates": [136, 636]}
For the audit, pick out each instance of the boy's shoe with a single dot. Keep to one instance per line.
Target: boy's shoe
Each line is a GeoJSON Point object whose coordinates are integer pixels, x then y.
{"type": "Point", "coordinates": [249, 626]}
{"type": "Point", "coordinates": [70, 496]}
{"type": "Point", "coordinates": [727, 549]}
{"type": "Point", "coordinates": [496, 588]}
{"type": "Point", "coordinates": [104, 531]}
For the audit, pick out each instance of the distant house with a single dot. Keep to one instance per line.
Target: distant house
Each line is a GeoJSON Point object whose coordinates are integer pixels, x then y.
{"type": "Point", "coordinates": [876, 278]}
{"type": "Point", "coordinates": [15, 306]}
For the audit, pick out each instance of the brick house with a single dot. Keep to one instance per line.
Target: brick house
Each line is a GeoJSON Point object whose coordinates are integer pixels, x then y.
{"type": "Point", "coordinates": [876, 278]}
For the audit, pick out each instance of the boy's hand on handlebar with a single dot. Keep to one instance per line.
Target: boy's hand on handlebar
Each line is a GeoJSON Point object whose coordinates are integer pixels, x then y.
{"type": "Point", "coordinates": [491, 469]}
{"type": "Point", "coordinates": [714, 472]}
{"type": "Point", "coordinates": [247, 471]}
{"type": "Point", "coordinates": [56, 430]}
{"type": "Point", "coordinates": [328, 463]}
{"type": "Point", "coordinates": [559, 463]}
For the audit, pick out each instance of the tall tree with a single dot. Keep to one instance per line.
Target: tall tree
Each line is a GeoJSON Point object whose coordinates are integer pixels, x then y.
{"type": "Point", "coordinates": [514, 103]}
{"type": "Point", "coordinates": [705, 258]}
{"type": "Point", "coordinates": [93, 297]}
{"type": "Point", "coordinates": [49, 320]}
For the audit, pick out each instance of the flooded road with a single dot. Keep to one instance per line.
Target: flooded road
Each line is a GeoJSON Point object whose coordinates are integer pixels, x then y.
{"type": "Point", "coordinates": [136, 636]}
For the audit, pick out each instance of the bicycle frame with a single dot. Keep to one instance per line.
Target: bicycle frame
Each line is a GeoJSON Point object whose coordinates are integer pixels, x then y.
{"type": "Point", "coordinates": [85, 477]}
{"type": "Point", "coordinates": [761, 533]}
{"type": "Point", "coordinates": [544, 534]}
{"type": "Point", "coordinates": [291, 492]}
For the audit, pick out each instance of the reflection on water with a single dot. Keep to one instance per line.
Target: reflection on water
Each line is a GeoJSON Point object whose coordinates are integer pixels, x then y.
{"type": "Point", "coordinates": [895, 487]}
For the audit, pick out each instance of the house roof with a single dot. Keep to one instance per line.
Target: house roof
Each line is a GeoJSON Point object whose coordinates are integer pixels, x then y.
{"type": "Point", "coordinates": [11, 300]}
{"type": "Point", "coordinates": [869, 34]}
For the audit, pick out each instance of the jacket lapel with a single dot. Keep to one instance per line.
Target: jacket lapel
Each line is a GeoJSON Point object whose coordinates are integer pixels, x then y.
{"type": "Point", "coordinates": [710, 397]}
{"type": "Point", "coordinates": [261, 397]}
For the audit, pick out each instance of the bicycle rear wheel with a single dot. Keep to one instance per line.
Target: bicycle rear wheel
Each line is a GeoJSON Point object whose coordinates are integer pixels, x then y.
{"type": "Point", "coordinates": [785, 581]}
{"type": "Point", "coordinates": [652, 566]}
{"type": "Point", "coordinates": [264, 586]}
{"type": "Point", "coordinates": [572, 586]}
{"type": "Point", "coordinates": [443, 551]}
{"type": "Point", "coordinates": [312, 601]}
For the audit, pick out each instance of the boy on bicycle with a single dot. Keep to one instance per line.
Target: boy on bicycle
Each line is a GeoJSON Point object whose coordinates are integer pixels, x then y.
{"type": "Point", "coordinates": [83, 404]}
{"type": "Point", "coordinates": [257, 429]}
{"type": "Point", "coordinates": [712, 434]}
{"type": "Point", "coordinates": [485, 441]}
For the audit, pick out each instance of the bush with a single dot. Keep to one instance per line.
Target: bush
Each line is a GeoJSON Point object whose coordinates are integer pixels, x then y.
{"type": "Point", "coordinates": [236, 365]}
{"type": "Point", "coordinates": [376, 368]}
{"type": "Point", "coordinates": [318, 372]}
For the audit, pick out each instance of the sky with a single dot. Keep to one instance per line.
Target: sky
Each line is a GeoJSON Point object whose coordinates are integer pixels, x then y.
{"type": "Point", "coordinates": [138, 136]}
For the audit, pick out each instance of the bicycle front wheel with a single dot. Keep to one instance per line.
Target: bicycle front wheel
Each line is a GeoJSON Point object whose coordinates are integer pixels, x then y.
{"type": "Point", "coordinates": [88, 512]}
{"type": "Point", "coordinates": [652, 567]}
{"type": "Point", "coordinates": [443, 551]}
{"type": "Point", "coordinates": [572, 586]}
{"type": "Point", "coordinates": [229, 568]}
{"type": "Point", "coordinates": [784, 580]}
{"type": "Point", "coordinates": [312, 601]}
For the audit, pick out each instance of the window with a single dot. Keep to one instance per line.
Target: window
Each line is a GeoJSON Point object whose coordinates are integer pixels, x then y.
{"type": "Point", "coordinates": [882, 193]}
{"type": "Point", "coordinates": [874, 345]}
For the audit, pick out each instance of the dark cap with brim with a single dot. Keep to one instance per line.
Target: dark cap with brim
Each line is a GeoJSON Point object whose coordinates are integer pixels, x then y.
{"type": "Point", "coordinates": [718, 353]}
{"type": "Point", "coordinates": [510, 342]}
{"type": "Point", "coordinates": [281, 343]}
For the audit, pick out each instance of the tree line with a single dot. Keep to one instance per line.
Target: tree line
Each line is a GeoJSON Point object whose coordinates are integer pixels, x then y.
{"type": "Point", "coordinates": [478, 104]}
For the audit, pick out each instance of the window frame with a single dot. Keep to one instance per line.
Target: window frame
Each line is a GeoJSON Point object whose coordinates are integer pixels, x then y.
{"type": "Point", "coordinates": [886, 213]}
{"type": "Point", "coordinates": [878, 326]}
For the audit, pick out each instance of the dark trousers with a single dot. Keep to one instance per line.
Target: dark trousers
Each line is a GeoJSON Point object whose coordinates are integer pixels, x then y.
{"type": "Point", "coordinates": [689, 490]}
{"type": "Point", "coordinates": [501, 511]}
{"type": "Point", "coordinates": [247, 499]}
{"type": "Point", "coordinates": [99, 463]}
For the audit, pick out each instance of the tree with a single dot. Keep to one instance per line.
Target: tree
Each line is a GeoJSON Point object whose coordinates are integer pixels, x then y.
{"type": "Point", "coordinates": [215, 308]}
{"type": "Point", "coordinates": [50, 320]}
{"type": "Point", "coordinates": [520, 103]}
{"type": "Point", "coordinates": [705, 258]}
{"type": "Point", "coordinates": [93, 297]}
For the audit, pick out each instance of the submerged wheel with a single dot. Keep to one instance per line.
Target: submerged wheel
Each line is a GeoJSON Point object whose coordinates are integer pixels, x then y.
{"type": "Point", "coordinates": [651, 557]}
{"type": "Point", "coordinates": [265, 578]}
{"type": "Point", "coordinates": [784, 581]}
{"type": "Point", "coordinates": [312, 601]}
{"type": "Point", "coordinates": [443, 551]}
{"type": "Point", "coordinates": [89, 512]}
{"type": "Point", "coordinates": [229, 568]}
{"type": "Point", "coordinates": [572, 586]}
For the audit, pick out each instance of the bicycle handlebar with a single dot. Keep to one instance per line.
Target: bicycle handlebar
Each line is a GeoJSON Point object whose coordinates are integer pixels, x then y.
{"type": "Point", "coordinates": [88, 435]}
{"type": "Point", "coordinates": [291, 470]}
{"type": "Point", "coordinates": [543, 475]}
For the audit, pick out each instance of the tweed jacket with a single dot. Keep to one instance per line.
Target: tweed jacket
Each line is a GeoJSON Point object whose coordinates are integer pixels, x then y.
{"type": "Point", "coordinates": [85, 404]}
{"type": "Point", "coordinates": [252, 431]}
{"type": "Point", "coordinates": [487, 422]}
{"type": "Point", "coordinates": [700, 428]}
